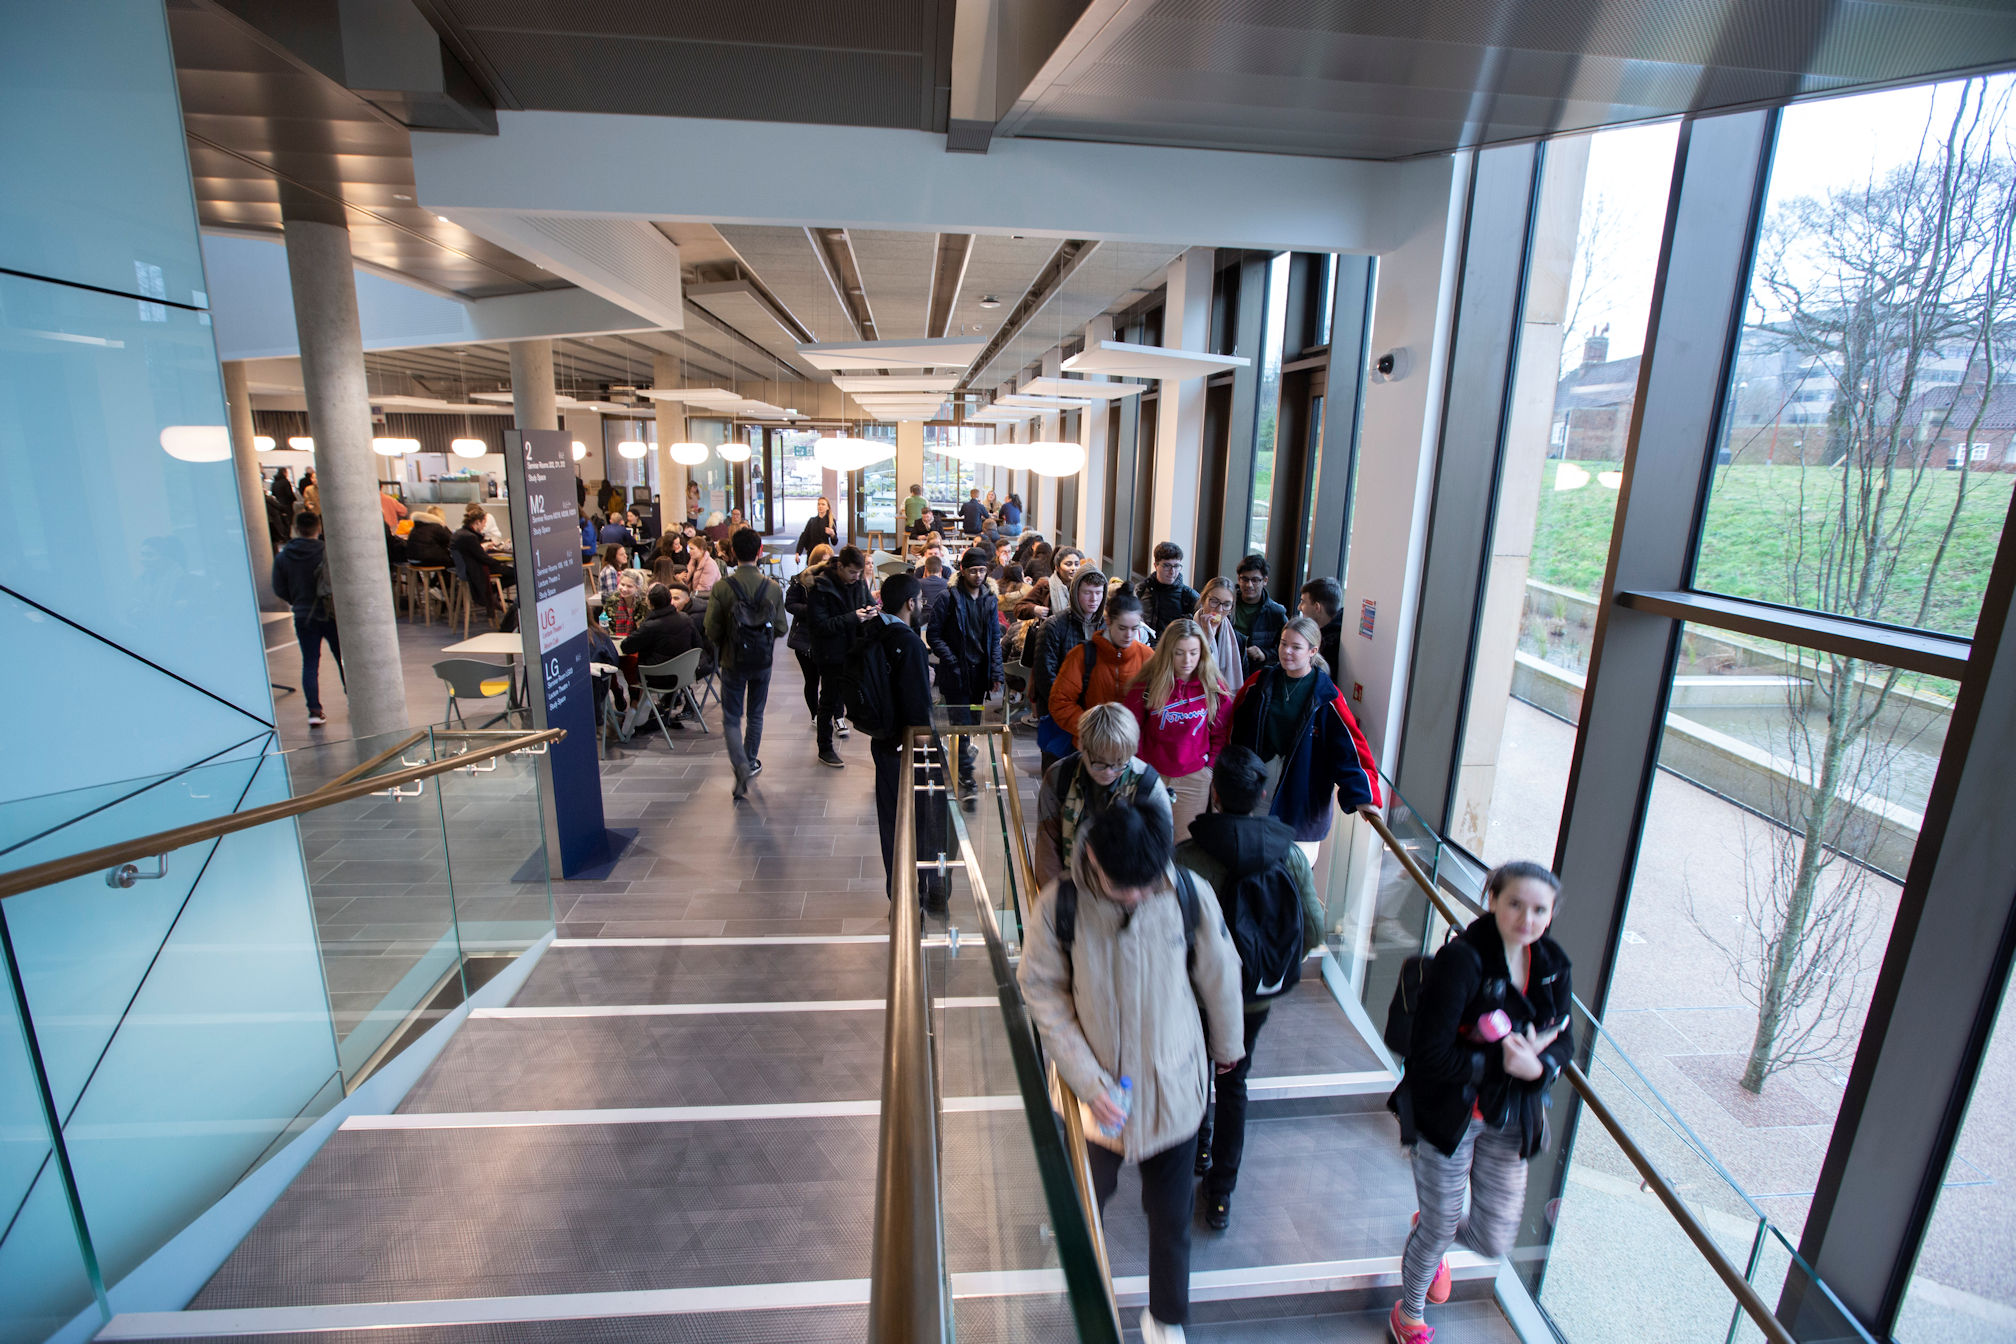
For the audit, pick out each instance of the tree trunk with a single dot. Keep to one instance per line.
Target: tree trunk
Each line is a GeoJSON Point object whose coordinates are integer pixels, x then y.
{"type": "Point", "coordinates": [1791, 934]}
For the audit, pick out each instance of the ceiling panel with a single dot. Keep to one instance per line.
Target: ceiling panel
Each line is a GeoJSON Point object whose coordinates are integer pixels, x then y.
{"type": "Point", "coordinates": [895, 269]}
{"type": "Point", "coordinates": [783, 259]}
{"type": "Point", "coordinates": [1112, 276]}
{"type": "Point", "coordinates": [1391, 78]}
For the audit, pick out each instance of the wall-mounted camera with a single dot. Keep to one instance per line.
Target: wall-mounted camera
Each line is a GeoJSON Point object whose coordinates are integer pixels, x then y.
{"type": "Point", "coordinates": [1392, 366]}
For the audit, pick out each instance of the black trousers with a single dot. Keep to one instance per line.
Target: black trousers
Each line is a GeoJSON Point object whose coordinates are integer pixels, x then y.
{"type": "Point", "coordinates": [931, 821]}
{"type": "Point", "coordinates": [832, 704]}
{"type": "Point", "coordinates": [812, 673]}
{"type": "Point", "coordinates": [1225, 1132]}
{"type": "Point", "coordinates": [1168, 1192]}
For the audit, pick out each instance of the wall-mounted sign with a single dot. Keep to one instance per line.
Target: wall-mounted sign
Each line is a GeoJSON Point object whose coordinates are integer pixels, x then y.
{"type": "Point", "coordinates": [1368, 615]}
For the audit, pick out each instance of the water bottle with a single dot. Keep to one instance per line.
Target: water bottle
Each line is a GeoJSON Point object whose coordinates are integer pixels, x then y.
{"type": "Point", "coordinates": [1123, 1097]}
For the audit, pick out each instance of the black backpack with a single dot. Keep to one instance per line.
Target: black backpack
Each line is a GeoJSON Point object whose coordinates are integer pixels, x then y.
{"type": "Point", "coordinates": [755, 634]}
{"type": "Point", "coordinates": [1067, 913]}
{"type": "Point", "coordinates": [864, 684]}
{"type": "Point", "coordinates": [1263, 912]}
{"type": "Point", "coordinates": [1399, 1033]}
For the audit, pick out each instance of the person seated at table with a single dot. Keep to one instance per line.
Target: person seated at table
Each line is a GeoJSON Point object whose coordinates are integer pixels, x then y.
{"type": "Point", "coordinates": [493, 539]}
{"type": "Point", "coordinates": [625, 607]}
{"type": "Point", "coordinates": [666, 632]}
{"type": "Point", "coordinates": [610, 566]}
{"type": "Point", "coordinates": [676, 546]}
{"type": "Point", "coordinates": [390, 505]}
{"type": "Point", "coordinates": [925, 525]}
{"type": "Point", "coordinates": [664, 570]}
{"type": "Point", "coordinates": [644, 525]}
{"type": "Point", "coordinates": [717, 530]}
{"type": "Point", "coordinates": [616, 531]}
{"type": "Point", "coordinates": [429, 541]}
{"type": "Point", "coordinates": [588, 534]}
{"type": "Point", "coordinates": [477, 561]}
{"type": "Point", "coordinates": [703, 571]}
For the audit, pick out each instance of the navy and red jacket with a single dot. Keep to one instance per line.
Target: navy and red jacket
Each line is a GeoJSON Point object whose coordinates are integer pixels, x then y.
{"type": "Point", "coordinates": [1329, 752]}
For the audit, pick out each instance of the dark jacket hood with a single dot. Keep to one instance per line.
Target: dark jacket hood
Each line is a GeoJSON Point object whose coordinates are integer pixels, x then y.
{"type": "Point", "coordinates": [307, 549]}
{"type": "Point", "coordinates": [1249, 844]}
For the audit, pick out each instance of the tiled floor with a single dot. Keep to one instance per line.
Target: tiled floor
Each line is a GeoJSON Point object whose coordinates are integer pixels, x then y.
{"type": "Point", "coordinates": [546, 1207]}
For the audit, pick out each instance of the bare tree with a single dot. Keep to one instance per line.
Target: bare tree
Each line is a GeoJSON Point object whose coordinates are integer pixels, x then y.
{"type": "Point", "coordinates": [1875, 284]}
{"type": "Point", "coordinates": [1590, 283]}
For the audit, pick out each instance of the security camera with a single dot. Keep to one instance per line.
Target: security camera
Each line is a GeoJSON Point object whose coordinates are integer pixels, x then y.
{"type": "Point", "coordinates": [1392, 366]}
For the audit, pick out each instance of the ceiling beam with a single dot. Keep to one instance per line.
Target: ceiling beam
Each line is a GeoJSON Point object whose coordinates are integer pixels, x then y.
{"type": "Point", "coordinates": [948, 275]}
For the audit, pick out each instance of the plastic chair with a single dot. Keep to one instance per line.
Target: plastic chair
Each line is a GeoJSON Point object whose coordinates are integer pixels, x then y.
{"type": "Point", "coordinates": [671, 683]}
{"type": "Point", "coordinates": [471, 679]}
{"type": "Point", "coordinates": [892, 567]}
{"type": "Point", "coordinates": [880, 558]}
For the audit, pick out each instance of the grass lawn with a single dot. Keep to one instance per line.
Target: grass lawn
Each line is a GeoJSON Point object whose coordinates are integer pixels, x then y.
{"type": "Point", "coordinates": [1753, 534]}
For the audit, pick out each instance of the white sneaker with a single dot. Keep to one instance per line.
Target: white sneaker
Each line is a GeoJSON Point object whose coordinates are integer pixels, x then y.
{"type": "Point", "coordinates": [1154, 1332]}
{"type": "Point", "coordinates": [840, 727]}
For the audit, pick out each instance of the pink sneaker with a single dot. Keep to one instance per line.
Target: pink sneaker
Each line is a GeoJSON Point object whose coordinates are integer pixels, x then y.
{"type": "Point", "coordinates": [1438, 1287]}
{"type": "Point", "coordinates": [1405, 1331]}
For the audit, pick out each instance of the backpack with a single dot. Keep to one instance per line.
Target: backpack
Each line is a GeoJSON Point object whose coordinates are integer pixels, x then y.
{"type": "Point", "coordinates": [1399, 1032]}
{"type": "Point", "coordinates": [1264, 916]}
{"type": "Point", "coordinates": [325, 595]}
{"type": "Point", "coordinates": [755, 634]}
{"type": "Point", "coordinates": [864, 685]}
{"type": "Point", "coordinates": [1067, 913]}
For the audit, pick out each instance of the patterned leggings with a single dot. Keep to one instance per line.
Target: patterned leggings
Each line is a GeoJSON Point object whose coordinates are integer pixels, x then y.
{"type": "Point", "coordinates": [1487, 1160]}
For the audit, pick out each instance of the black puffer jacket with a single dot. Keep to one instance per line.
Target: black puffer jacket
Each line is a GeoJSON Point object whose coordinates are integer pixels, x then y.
{"type": "Point", "coordinates": [798, 606]}
{"type": "Point", "coordinates": [965, 633]}
{"type": "Point", "coordinates": [1448, 1072]}
{"type": "Point", "coordinates": [1162, 603]}
{"type": "Point", "coordinates": [834, 623]}
{"type": "Point", "coordinates": [428, 543]}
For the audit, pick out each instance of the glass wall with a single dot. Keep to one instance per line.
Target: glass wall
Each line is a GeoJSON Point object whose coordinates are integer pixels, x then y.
{"type": "Point", "coordinates": [1589, 292]}
{"type": "Point", "coordinates": [1268, 412]}
{"type": "Point", "coordinates": [1876, 355]}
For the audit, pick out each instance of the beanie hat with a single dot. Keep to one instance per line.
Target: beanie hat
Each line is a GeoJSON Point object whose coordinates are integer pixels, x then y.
{"type": "Point", "coordinates": [898, 589]}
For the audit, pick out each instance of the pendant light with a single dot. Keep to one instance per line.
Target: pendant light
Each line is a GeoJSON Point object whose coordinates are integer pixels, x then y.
{"type": "Point", "coordinates": [197, 443]}
{"type": "Point", "coordinates": [470, 447]}
{"type": "Point", "coordinates": [633, 448]}
{"type": "Point", "coordinates": [580, 450]}
{"type": "Point", "coordinates": [733, 451]}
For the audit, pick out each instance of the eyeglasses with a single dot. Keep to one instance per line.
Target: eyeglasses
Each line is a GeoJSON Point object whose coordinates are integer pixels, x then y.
{"type": "Point", "coordinates": [1110, 767]}
{"type": "Point", "coordinates": [1219, 604]}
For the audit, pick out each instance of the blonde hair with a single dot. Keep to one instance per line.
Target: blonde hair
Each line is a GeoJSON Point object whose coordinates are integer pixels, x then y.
{"type": "Point", "coordinates": [1159, 673]}
{"type": "Point", "coordinates": [820, 555]}
{"type": "Point", "coordinates": [1311, 634]}
{"type": "Point", "coordinates": [1108, 731]}
{"type": "Point", "coordinates": [1220, 582]}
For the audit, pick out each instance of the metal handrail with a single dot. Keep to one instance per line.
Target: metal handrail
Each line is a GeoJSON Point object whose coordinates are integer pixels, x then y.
{"type": "Point", "coordinates": [108, 857]}
{"type": "Point", "coordinates": [1746, 1295]}
{"type": "Point", "coordinates": [359, 771]}
{"type": "Point", "coordinates": [909, 1298]}
{"type": "Point", "coordinates": [1056, 1093]}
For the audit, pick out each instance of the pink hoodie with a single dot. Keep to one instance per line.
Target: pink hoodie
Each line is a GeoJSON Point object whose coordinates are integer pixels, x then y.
{"type": "Point", "coordinates": [1175, 739]}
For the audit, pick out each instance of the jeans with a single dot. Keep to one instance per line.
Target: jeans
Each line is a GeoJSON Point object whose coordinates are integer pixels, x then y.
{"type": "Point", "coordinates": [1224, 1131]}
{"type": "Point", "coordinates": [1487, 1160]}
{"type": "Point", "coordinates": [311, 631]}
{"type": "Point", "coordinates": [930, 821]}
{"type": "Point", "coordinates": [743, 741]}
{"type": "Point", "coordinates": [967, 751]}
{"type": "Point", "coordinates": [832, 704]}
{"type": "Point", "coordinates": [812, 672]}
{"type": "Point", "coordinates": [1168, 1192]}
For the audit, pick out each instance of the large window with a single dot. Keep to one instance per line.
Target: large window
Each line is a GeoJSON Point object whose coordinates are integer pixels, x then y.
{"type": "Point", "coordinates": [1879, 341]}
{"type": "Point", "coordinates": [1589, 292]}
{"type": "Point", "coordinates": [1268, 415]}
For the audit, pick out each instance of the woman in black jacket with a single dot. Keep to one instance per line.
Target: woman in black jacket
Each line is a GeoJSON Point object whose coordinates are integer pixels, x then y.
{"type": "Point", "coordinates": [1491, 1033]}
{"type": "Point", "coordinates": [798, 605]}
{"type": "Point", "coordinates": [820, 529]}
{"type": "Point", "coordinates": [428, 542]}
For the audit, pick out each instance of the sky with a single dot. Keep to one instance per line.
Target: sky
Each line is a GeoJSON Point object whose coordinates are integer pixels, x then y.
{"type": "Point", "coordinates": [1827, 143]}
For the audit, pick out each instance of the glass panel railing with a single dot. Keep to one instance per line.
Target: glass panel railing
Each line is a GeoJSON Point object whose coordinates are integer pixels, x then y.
{"type": "Point", "coordinates": [188, 1010]}
{"type": "Point", "coordinates": [1014, 1210]}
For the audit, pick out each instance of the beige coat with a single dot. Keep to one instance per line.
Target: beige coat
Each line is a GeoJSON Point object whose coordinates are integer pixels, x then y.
{"type": "Point", "coordinates": [1131, 1009]}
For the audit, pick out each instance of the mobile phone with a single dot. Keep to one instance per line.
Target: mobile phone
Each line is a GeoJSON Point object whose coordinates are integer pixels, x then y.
{"type": "Point", "coordinates": [1493, 1026]}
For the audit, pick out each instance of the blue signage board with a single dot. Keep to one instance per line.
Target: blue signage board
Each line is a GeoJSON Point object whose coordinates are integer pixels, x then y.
{"type": "Point", "coordinates": [546, 538]}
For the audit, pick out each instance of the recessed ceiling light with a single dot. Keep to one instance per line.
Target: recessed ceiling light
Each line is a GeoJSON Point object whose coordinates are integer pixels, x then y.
{"type": "Point", "coordinates": [399, 197]}
{"type": "Point", "coordinates": [989, 301]}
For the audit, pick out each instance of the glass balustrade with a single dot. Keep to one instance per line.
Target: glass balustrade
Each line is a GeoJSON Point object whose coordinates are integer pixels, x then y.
{"type": "Point", "coordinates": [178, 1017]}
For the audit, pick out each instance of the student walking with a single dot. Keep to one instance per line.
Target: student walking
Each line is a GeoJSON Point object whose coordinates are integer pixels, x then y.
{"type": "Point", "coordinates": [889, 676]}
{"type": "Point", "coordinates": [1214, 618]}
{"type": "Point", "coordinates": [1257, 617]}
{"type": "Point", "coordinates": [1491, 1033]}
{"type": "Point", "coordinates": [1164, 596]}
{"type": "Point", "coordinates": [798, 606]}
{"type": "Point", "coordinates": [301, 580]}
{"type": "Point", "coordinates": [1055, 638]}
{"type": "Point", "coordinates": [1106, 773]}
{"type": "Point", "coordinates": [1294, 717]}
{"type": "Point", "coordinates": [744, 619]}
{"type": "Point", "coordinates": [1184, 708]}
{"type": "Point", "coordinates": [964, 629]}
{"type": "Point", "coordinates": [1156, 1007]}
{"type": "Point", "coordinates": [1268, 896]}
{"type": "Point", "coordinates": [1322, 601]}
{"type": "Point", "coordinates": [1097, 671]}
{"type": "Point", "coordinates": [839, 604]}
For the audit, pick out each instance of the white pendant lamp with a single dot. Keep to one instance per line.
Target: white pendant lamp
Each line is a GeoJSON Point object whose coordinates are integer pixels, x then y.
{"type": "Point", "coordinates": [468, 447]}
{"type": "Point", "coordinates": [301, 443]}
{"type": "Point", "coordinates": [733, 452]}
{"type": "Point", "coordinates": [262, 443]}
{"type": "Point", "coordinates": [633, 448]}
{"type": "Point", "coordinates": [1053, 457]}
{"type": "Point", "coordinates": [689, 454]}
{"type": "Point", "coordinates": [197, 443]}
{"type": "Point", "coordinates": [392, 447]}
{"type": "Point", "coordinates": [580, 450]}
{"type": "Point", "coordinates": [843, 452]}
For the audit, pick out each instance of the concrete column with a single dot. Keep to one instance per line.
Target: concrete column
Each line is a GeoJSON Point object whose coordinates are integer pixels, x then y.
{"type": "Point", "coordinates": [909, 462]}
{"type": "Point", "coordinates": [585, 428]}
{"type": "Point", "coordinates": [666, 373]}
{"type": "Point", "coordinates": [1093, 485]}
{"type": "Point", "coordinates": [1179, 425]}
{"type": "Point", "coordinates": [532, 403]}
{"type": "Point", "coordinates": [1050, 428]}
{"type": "Point", "coordinates": [339, 417]}
{"type": "Point", "coordinates": [251, 495]}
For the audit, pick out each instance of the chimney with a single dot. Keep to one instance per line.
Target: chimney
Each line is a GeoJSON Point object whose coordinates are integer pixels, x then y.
{"type": "Point", "coordinates": [1596, 349]}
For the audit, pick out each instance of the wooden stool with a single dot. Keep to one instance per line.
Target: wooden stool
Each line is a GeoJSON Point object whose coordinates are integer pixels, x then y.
{"type": "Point", "coordinates": [419, 584]}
